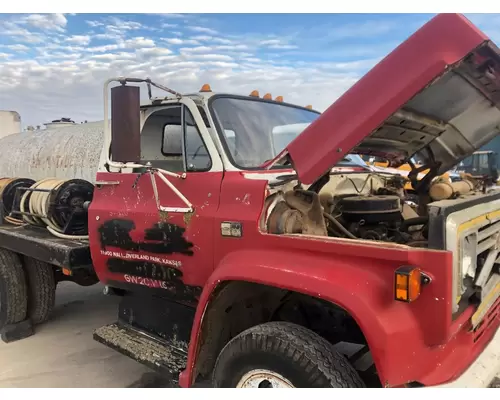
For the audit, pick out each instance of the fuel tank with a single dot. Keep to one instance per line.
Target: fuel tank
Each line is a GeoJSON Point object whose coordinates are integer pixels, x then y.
{"type": "Point", "coordinates": [71, 152]}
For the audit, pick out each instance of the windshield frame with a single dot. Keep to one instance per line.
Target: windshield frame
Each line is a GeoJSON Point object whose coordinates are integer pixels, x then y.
{"type": "Point", "coordinates": [220, 130]}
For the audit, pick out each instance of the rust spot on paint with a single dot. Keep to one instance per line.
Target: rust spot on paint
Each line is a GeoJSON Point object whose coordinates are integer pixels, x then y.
{"type": "Point", "coordinates": [164, 216]}
{"type": "Point", "coordinates": [187, 217]}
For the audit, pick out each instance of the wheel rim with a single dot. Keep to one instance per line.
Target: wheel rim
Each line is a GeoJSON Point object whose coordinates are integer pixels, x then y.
{"type": "Point", "coordinates": [263, 378]}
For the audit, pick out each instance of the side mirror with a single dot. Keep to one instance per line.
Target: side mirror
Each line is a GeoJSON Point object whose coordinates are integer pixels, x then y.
{"type": "Point", "coordinates": [172, 140]}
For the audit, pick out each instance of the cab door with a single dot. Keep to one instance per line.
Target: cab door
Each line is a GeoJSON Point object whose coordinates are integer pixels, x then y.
{"type": "Point", "coordinates": [154, 226]}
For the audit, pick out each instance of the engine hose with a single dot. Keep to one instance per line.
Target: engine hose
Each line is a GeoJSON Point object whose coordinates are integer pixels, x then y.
{"type": "Point", "coordinates": [339, 226]}
{"type": "Point", "coordinates": [413, 221]}
{"type": "Point", "coordinates": [43, 205]}
{"type": "Point", "coordinates": [11, 198]}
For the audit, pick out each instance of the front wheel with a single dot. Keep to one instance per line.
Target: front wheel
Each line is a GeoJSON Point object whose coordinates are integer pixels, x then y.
{"type": "Point", "coordinates": [282, 355]}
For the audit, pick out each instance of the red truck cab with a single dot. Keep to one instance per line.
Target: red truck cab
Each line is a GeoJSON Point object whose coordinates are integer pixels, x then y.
{"type": "Point", "coordinates": [248, 255]}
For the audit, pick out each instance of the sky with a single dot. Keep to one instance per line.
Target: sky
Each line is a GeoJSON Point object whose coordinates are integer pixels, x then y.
{"type": "Point", "coordinates": [54, 65]}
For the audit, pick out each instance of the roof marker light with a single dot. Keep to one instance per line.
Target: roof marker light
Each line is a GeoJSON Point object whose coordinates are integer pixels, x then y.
{"type": "Point", "coordinates": [206, 88]}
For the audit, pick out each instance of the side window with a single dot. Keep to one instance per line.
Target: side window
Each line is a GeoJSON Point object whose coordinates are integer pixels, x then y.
{"type": "Point", "coordinates": [165, 135]}
{"type": "Point", "coordinates": [161, 139]}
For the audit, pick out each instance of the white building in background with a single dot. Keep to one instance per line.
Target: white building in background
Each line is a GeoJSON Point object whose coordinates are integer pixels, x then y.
{"type": "Point", "coordinates": [10, 122]}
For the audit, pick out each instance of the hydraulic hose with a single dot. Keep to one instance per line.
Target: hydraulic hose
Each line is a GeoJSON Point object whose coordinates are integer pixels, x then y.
{"type": "Point", "coordinates": [339, 225]}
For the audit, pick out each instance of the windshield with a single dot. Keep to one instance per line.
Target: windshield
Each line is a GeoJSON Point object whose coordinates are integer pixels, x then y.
{"type": "Point", "coordinates": [256, 131]}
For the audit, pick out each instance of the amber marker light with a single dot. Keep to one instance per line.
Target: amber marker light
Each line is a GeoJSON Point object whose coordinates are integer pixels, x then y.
{"type": "Point", "coordinates": [206, 88]}
{"type": "Point", "coordinates": [408, 283]}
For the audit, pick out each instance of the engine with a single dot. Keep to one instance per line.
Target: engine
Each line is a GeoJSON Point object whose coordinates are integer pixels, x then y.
{"type": "Point", "coordinates": [371, 217]}
{"type": "Point", "coordinates": [368, 206]}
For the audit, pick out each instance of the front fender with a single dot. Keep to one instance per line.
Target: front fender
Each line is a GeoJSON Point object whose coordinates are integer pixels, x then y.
{"type": "Point", "coordinates": [364, 290]}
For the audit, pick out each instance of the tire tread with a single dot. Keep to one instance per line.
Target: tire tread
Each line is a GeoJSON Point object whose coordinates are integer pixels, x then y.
{"type": "Point", "coordinates": [14, 280]}
{"type": "Point", "coordinates": [322, 364]}
{"type": "Point", "coordinates": [41, 289]}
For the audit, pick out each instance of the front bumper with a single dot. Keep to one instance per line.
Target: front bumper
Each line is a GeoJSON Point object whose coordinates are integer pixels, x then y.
{"type": "Point", "coordinates": [482, 372]}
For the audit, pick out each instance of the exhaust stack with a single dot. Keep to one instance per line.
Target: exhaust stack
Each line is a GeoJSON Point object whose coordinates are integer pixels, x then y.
{"type": "Point", "coordinates": [125, 124]}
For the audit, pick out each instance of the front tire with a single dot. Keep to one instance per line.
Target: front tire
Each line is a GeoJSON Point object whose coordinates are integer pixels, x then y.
{"type": "Point", "coordinates": [279, 355]}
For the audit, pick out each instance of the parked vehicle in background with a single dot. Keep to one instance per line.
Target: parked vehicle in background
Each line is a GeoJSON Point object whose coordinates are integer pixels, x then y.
{"type": "Point", "coordinates": [481, 165]}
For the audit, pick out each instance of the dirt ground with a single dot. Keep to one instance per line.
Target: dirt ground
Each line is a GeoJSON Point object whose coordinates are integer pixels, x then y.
{"type": "Point", "coordinates": [62, 353]}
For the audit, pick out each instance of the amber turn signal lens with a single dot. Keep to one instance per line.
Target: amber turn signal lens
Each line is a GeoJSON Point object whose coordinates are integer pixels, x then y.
{"type": "Point", "coordinates": [255, 93]}
{"type": "Point", "coordinates": [206, 88]}
{"type": "Point", "coordinates": [408, 281]}
{"type": "Point", "coordinates": [268, 96]}
{"type": "Point", "coordinates": [279, 99]}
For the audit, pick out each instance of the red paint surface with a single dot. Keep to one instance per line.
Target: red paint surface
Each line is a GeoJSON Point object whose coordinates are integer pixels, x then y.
{"type": "Point", "coordinates": [123, 202]}
{"type": "Point", "coordinates": [447, 38]}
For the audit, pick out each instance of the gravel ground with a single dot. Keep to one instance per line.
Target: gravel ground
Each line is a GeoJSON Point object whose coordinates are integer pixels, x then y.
{"type": "Point", "coordinates": [63, 353]}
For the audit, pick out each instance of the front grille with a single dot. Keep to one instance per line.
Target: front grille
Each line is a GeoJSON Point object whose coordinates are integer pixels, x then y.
{"type": "Point", "coordinates": [487, 256]}
{"type": "Point", "coordinates": [469, 227]}
{"type": "Point", "coordinates": [492, 316]}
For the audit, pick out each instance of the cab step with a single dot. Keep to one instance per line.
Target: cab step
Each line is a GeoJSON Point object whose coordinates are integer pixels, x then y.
{"type": "Point", "coordinates": [159, 355]}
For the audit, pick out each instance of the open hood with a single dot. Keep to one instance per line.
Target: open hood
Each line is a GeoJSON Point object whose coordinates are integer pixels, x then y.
{"type": "Point", "coordinates": [436, 97]}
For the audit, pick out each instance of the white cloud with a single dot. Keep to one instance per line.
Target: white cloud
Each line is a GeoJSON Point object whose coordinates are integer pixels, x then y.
{"type": "Point", "coordinates": [94, 24]}
{"type": "Point", "coordinates": [221, 40]}
{"type": "Point", "coordinates": [124, 25]}
{"type": "Point", "coordinates": [173, 40]}
{"type": "Point", "coordinates": [177, 41]}
{"type": "Point", "coordinates": [46, 21]}
{"type": "Point", "coordinates": [202, 29]}
{"type": "Point", "coordinates": [173, 15]}
{"type": "Point", "coordinates": [82, 40]}
{"type": "Point", "coordinates": [154, 52]}
{"type": "Point", "coordinates": [167, 25]}
{"type": "Point", "coordinates": [269, 42]}
{"type": "Point", "coordinates": [276, 44]}
{"type": "Point", "coordinates": [221, 57]}
{"type": "Point", "coordinates": [199, 49]}
{"type": "Point", "coordinates": [41, 88]}
{"type": "Point", "coordinates": [107, 36]}
{"type": "Point", "coordinates": [206, 38]}
{"type": "Point", "coordinates": [17, 47]}
{"type": "Point", "coordinates": [203, 38]}
{"type": "Point", "coordinates": [113, 56]}
{"type": "Point", "coordinates": [16, 32]}
{"type": "Point", "coordinates": [282, 46]}
{"type": "Point", "coordinates": [103, 48]}
{"type": "Point", "coordinates": [139, 42]}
